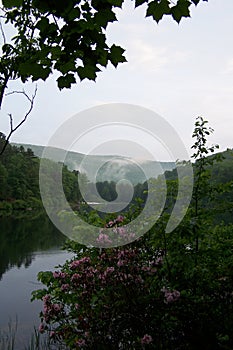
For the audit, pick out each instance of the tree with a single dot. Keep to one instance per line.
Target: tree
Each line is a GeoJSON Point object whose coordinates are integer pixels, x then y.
{"type": "Point", "coordinates": [67, 37]}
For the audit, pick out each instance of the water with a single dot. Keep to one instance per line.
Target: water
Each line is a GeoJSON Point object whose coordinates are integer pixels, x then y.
{"type": "Point", "coordinates": [28, 244]}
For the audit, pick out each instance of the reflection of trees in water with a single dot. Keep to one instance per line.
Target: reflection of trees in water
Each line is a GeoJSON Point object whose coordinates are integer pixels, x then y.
{"type": "Point", "coordinates": [21, 236]}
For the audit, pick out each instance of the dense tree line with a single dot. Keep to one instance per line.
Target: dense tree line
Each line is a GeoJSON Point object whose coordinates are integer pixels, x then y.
{"type": "Point", "coordinates": [19, 178]}
{"type": "Point", "coordinates": [218, 174]}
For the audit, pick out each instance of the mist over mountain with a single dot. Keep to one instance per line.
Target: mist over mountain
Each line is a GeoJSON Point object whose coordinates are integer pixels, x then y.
{"type": "Point", "coordinates": [99, 168]}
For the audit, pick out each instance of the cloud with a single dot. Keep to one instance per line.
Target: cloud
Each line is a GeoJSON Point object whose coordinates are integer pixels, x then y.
{"type": "Point", "coordinates": [229, 66]}
{"type": "Point", "coordinates": [149, 58]}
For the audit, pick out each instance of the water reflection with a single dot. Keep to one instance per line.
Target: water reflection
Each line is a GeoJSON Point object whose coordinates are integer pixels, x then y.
{"type": "Point", "coordinates": [29, 243]}
{"type": "Point", "coordinates": [23, 234]}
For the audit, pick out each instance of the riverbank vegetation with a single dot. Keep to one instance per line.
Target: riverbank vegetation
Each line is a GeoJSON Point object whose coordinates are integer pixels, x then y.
{"type": "Point", "coordinates": [166, 290]}
{"type": "Point", "coordinates": [162, 291]}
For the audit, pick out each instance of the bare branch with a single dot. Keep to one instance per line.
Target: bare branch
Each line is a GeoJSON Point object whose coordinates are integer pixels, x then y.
{"type": "Point", "coordinates": [12, 128]}
{"type": "Point", "coordinates": [3, 87]}
{"type": "Point", "coordinates": [2, 32]}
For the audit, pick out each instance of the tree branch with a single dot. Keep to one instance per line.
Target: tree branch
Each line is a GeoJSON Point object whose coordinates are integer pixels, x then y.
{"type": "Point", "coordinates": [2, 32]}
{"type": "Point", "coordinates": [12, 128]}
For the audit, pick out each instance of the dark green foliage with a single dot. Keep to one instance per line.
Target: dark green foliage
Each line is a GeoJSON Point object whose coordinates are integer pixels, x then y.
{"type": "Point", "coordinates": [19, 179]}
{"type": "Point", "coordinates": [196, 265]}
{"type": "Point", "coordinates": [68, 37]}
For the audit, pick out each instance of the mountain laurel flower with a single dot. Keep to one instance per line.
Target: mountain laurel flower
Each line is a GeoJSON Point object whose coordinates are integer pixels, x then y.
{"type": "Point", "coordinates": [74, 264]}
{"type": "Point", "coordinates": [46, 299]}
{"type": "Point", "coordinates": [65, 287]}
{"type": "Point", "coordinates": [120, 263]}
{"type": "Point", "coordinates": [122, 231]}
{"type": "Point", "coordinates": [120, 218]}
{"type": "Point", "coordinates": [56, 274]}
{"type": "Point", "coordinates": [80, 342]}
{"type": "Point", "coordinates": [75, 277]}
{"type": "Point", "coordinates": [147, 339]}
{"type": "Point", "coordinates": [103, 239]}
{"type": "Point", "coordinates": [56, 307]}
{"type": "Point", "coordinates": [159, 260]}
{"type": "Point", "coordinates": [170, 296]}
{"type": "Point", "coordinates": [109, 270]}
{"type": "Point", "coordinates": [41, 328]}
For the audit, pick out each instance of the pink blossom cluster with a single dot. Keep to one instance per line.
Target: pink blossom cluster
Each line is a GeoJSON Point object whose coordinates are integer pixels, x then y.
{"type": "Point", "coordinates": [103, 239]}
{"type": "Point", "coordinates": [115, 222]}
{"type": "Point", "coordinates": [170, 296]}
{"type": "Point", "coordinates": [147, 339]}
{"type": "Point", "coordinates": [85, 283]}
{"type": "Point", "coordinates": [51, 310]}
{"type": "Point", "coordinates": [58, 274]}
{"type": "Point", "coordinates": [76, 263]}
{"type": "Point", "coordinates": [118, 233]}
{"type": "Point", "coordinates": [81, 343]}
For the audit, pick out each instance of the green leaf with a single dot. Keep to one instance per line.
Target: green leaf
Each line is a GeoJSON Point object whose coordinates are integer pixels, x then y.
{"type": "Point", "coordinates": [66, 81]}
{"type": "Point", "coordinates": [158, 9]}
{"type": "Point", "coordinates": [45, 277]}
{"type": "Point", "coordinates": [43, 24]}
{"type": "Point", "coordinates": [180, 10]}
{"type": "Point", "coordinates": [103, 17]}
{"type": "Point", "coordinates": [73, 14]}
{"type": "Point", "coordinates": [116, 55]}
{"type": "Point", "coordinates": [12, 3]}
{"type": "Point", "coordinates": [55, 52]}
{"type": "Point", "coordinates": [7, 49]}
{"type": "Point", "coordinates": [66, 67]}
{"type": "Point", "coordinates": [88, 72]}
{"type": "Point", "coordinates": [116, 3]}
{"type": "Point", "coordinates": [35, 70]}
{"type": "Point", "coordinates": [103, 59]}
{"type": "Point", "coordinates": [140, 2]}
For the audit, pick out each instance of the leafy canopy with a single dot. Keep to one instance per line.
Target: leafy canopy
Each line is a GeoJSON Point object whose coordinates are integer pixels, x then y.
{"type": "Point", "coordinates": [68, 37]}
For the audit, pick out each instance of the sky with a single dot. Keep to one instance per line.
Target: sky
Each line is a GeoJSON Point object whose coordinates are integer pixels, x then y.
{"type": "Point", "coordinates": [177, 71]}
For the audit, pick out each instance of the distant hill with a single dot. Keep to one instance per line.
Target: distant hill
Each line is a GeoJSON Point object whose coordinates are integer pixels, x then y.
{"type": "Point", "coordinates": [105, 168]}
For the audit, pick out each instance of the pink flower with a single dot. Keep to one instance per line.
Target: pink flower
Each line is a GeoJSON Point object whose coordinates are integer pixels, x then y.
{"type": "Point", "coordinates": [46, 309]}
{"type": "Point", "coordinates": [159, 260]}
{"type": "Point", "coordinates": [75, 277]}
{"type": "Point", "coordinates": [56, 274]}
{"type": "Point", "coordinates": [56, 307]}
{"type": "Point", "coordinates": [131, 235]}
{"type": "Point", "coordinates": [81, 342]}
{"type": "Point", "coordinates": [109, 270]}
{"type": "Point", "coordinates": [120, 263]}
{"type": "Point", "coordinates": [170, 296]}
{"type": "Point", "coordinates": [103, 239]}
{"type": "Point", "coordinates": [41, 328]}
{"type": "Point", "coordinates": [147, 339]}
{"type": "Point", "coordinates": [52, 334]}
{"type": "Point", "coordinates": [65, 287]}
{"type": "Point", "coordinates": [76, 263]}
{"type": "Point", "coordinates": [122, 231]}
{"type": "Point", "coordinates": [120, 218]}
{"type": "Point", "coordinates": [46, 298]}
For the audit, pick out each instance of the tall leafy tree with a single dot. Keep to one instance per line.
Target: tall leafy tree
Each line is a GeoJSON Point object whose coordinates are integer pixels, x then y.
{"type": "Point", "coordinates": [68, 37]}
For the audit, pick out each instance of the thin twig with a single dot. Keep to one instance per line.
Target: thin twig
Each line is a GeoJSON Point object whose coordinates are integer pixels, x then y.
{"type": "Point", "coordinates": [12, 128]}
{"type": "Point", "coordinates": [2, 31]}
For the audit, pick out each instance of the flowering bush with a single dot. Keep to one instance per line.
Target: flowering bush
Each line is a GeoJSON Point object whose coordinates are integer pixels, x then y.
{"type": "Point", "coordinates": [111, 298]}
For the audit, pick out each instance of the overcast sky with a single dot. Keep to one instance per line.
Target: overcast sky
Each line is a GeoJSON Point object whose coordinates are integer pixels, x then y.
{"type": "Point", "coordinates": [178, 71]}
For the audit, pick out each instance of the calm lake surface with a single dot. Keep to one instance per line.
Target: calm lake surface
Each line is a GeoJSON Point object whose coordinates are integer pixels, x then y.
{"type": "Point", "coordinates": [28, 244]}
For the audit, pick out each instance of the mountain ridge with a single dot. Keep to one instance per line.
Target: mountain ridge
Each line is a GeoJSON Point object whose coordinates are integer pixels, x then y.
{"type": "Point", "coordinates": [100, 168]}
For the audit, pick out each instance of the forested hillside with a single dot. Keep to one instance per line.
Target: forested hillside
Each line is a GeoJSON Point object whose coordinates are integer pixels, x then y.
{"type": "Point", "coordinates": [19, 182]}
{"type": "Point", "coordinates": [19, 178]}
